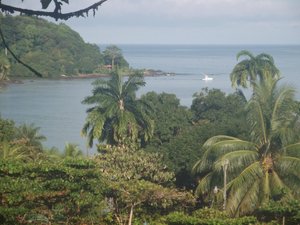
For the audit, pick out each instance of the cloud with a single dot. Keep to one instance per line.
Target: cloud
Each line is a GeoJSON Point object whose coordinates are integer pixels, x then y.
{"type": "Point", "coordinates": [183, 9]}
{"type": "Point", "coordinates": [228, 21]}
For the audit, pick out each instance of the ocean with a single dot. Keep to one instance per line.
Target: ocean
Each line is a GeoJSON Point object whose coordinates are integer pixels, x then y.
{"type": "Point", "coordinates": [55, 105]}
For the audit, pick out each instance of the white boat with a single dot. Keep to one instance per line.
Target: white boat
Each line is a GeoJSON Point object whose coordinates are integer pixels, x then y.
{"type": "Point", "coordinates": [206, 78]}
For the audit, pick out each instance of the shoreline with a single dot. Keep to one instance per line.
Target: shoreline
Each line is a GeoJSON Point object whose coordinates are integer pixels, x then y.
{"type": "Point", "coordinates": [20, 80]}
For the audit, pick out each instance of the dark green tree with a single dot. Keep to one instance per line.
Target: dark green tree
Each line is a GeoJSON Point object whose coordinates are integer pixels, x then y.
{"type": "Point", "coordinates": [168, 115]}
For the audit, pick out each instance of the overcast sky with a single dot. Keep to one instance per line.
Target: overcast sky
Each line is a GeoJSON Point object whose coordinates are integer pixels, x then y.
{"type": "Point", "coordinates": [186, 21]}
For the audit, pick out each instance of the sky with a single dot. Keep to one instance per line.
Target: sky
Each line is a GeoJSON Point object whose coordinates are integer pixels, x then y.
{"type": "Point", "coordinates": [185, 21]}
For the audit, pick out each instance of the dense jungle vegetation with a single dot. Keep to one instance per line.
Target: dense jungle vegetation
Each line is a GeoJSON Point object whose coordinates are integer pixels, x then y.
{"type": "Point", "coordinates": [52, 49]}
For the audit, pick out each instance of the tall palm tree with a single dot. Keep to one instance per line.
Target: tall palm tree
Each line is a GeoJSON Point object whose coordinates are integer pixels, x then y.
{"type": "Point", "coordinates": [117, 116]}
{"type": "Point", "coordinates": [264, 167]}
{"type": "Point", "coordinates": [253, 68]}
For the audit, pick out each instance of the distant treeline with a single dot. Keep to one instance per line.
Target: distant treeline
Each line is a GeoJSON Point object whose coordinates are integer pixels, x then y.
{"type": "Point", "coordinates": [51, 49]}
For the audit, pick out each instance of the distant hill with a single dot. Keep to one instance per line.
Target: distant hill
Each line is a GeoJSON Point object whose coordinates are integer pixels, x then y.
{"type": "Point", "coordinates": [49, 48]}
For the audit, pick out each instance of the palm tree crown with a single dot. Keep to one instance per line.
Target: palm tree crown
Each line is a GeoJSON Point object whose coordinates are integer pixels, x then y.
{"type": "Point", "coordinates": [117, 116]}
{"type": "Point", "coordinates": [253, 67]}
{"type": "Point", "coordinates": [265, 167]}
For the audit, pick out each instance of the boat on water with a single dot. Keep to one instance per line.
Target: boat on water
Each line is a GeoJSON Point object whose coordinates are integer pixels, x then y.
{"type": "Point", "coordinates": [207, 78]}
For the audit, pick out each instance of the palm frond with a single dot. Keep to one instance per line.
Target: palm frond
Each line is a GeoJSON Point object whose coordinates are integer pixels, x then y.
{"type": "Point", "coordinates": [237, 160]}
{"type": "Point", "coordinates": [292, 150]}
{"type": "Point", "coordinates": [204, 184]}
{"type": "Point", "coordinates": [215, 139]}
{"type": "Point", "coordinates": [247, 176]}
{"type": "Point", "coordinates": [244, 201]}
{"type": "Point", "coordinates": [257, 122]}
{"type": "Point", "coordinates": [244, 53]}
{"type": "Point", "coordinates": [277, 184]}
{"type": "Point", "coordinates": [133, 83]}
{"type": "Point", "coordinates": [243, 190]}
{"type": "Point", "coordinates": [286, 165]}
{"type": "Point", "coordinates": [218, 146]}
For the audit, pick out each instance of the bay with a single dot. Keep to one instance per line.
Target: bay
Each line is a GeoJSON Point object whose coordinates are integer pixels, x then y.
{"type": "Point", "coordinates": [55, 105]}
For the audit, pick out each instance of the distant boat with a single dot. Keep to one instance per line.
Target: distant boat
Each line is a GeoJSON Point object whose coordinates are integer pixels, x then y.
{"type": "Point", "coordinates": [206, 78]}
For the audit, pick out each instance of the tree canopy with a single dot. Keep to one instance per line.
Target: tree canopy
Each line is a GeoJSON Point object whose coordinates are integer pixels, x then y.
{"type": "Point", "coordinates": [49, 48]}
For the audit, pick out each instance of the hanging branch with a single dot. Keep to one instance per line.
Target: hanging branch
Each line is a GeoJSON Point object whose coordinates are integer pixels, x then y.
{"type": "Point", "coordinates": [16, 58]}
{"type": "Point", "coordinates": [56, 14]}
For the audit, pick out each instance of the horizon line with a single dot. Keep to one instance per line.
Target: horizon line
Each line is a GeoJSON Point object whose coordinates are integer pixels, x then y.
{"type": "Point", "coordinates": [201, 44]}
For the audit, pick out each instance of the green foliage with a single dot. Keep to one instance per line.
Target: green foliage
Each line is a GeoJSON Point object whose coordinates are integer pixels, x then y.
{"type": "Point", "coordinates": [130, 164]}
{"type": "Point", "coordinates": [210, 213]}
{"type": "Point", "coordinates": [51, 49]}
{"type": "Point", "coordinates": [278, 210]}
{"type": "Point", "coordinates": [64, 192]}
{"type": "Point", "coordinates": [179, 132]}
{"type": "Point", "coordinates": [169, 116]}
{"type": "Point", "coordinates": [117, 116]}
{"type": "Point", "coordinates": [139, 182]}
{"type": "Point", "coordinates": [264, 167]}
{"type": "Point", "coordinates": [205, 217]}
{"type": "Point", "coordinates": [253, 69]}
{"type": "Point", "coordinates": [214, 106]}
{"type": "Point", "coordinates": [72, 151]}
{"type": "Point", "coordinates": [7, 130]}
{"type": "Point", "coordinates": [113, 56]}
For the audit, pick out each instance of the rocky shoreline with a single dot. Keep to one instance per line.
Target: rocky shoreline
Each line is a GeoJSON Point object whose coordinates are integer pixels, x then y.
{"type": "Point", "coordinates": [146, 73]}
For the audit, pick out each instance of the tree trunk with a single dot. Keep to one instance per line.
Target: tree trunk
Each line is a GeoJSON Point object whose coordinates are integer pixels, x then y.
{"type": "Point", "coordinates": [112, 63]}
{"type": "Point", "coordinates": [130, 215]}
{"type": "Point", "coordinates": [121, 104]}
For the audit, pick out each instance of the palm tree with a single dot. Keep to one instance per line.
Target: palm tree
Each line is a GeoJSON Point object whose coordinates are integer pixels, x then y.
{"type": "Point", "coordinates": [251, 68]}
{"type": "Point", "coordinates": [112, 52]}
{"type": "Point", "coordinates": [72, 151]}
{"type": "Point", "coordinates": [11, 152]}
{"type": "Point", "coordinates": [265, 167]}
{"type": "Point", "coordinates": [117, 116]}
{"type": "Point", "coordinates": [28, 136]}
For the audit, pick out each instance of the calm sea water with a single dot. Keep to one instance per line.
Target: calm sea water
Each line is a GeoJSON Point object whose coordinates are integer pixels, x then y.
{"type": "Point", "coordinates": [55, 105]}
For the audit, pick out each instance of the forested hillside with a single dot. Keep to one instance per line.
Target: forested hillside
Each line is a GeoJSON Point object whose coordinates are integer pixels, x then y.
{"type": "Point", "coordinates": [49, 48]}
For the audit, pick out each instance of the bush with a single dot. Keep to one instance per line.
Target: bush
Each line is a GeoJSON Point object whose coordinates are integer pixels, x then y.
{"type": "Point", "coordinates": [205, 217]}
